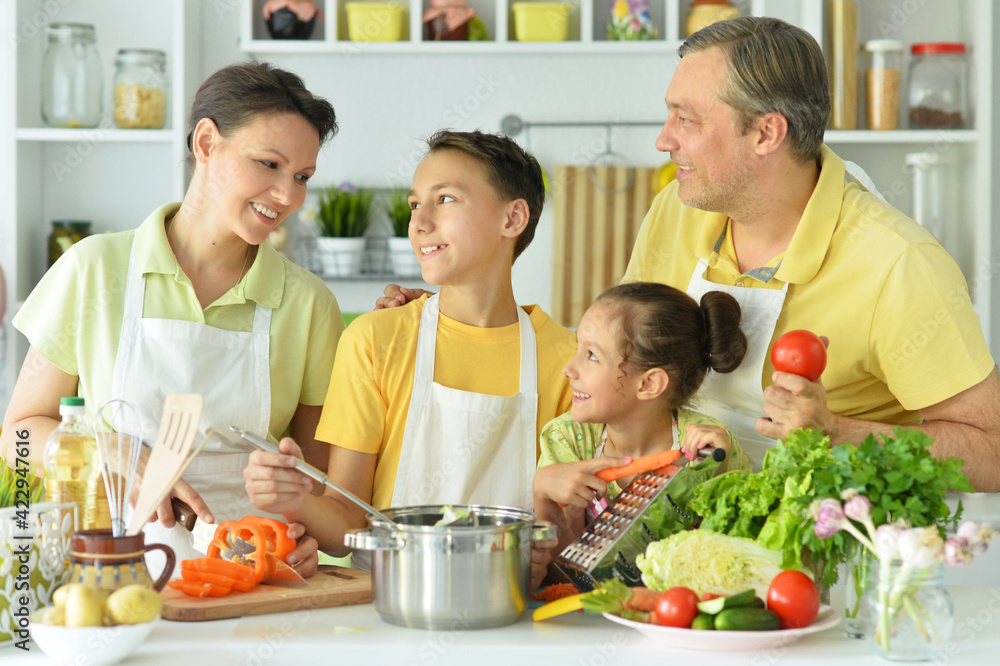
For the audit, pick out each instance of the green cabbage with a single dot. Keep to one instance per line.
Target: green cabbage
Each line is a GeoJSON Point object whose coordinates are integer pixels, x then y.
{"type": "Point", "coordinates": [707, 561]}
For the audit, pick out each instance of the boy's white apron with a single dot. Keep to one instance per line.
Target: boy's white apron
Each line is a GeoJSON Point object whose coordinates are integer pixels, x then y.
{"type": "Point", "coordinates": [461, 447]}
{"type": "Point", "coordinates": [160, 357]}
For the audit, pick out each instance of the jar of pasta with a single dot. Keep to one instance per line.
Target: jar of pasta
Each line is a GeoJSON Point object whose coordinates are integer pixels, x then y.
{"type": "Point", "coordinates": [140, 89]}
{"type": "Point", "coordinates": [882, 77]}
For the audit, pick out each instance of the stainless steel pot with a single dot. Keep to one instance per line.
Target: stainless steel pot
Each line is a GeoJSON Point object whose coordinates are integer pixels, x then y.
{"type": "Point", "coordinates": [473, 574]}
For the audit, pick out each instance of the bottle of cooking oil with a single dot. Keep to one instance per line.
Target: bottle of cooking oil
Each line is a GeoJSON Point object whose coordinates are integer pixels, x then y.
{"type": "Point", "coordinates": [73, 468]}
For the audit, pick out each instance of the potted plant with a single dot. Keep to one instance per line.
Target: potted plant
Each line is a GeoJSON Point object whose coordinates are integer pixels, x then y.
{"type": "Point", "coordinates": [404, 258]}
{"type": "Point", "coordinates": [45, 527]}
{"type": "Point", "coordinates": [342, 217]}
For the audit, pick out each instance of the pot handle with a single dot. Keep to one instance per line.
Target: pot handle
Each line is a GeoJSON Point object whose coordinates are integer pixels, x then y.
{"type": "Point", "coordinates": [543, 530]}
{"type": "Point", "coordinates": [365, 540]}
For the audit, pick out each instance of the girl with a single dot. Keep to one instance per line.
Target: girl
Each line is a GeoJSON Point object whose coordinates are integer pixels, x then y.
{"type": "Point", "coordinates": [643, 349]}
{"type": "Point", "coordinates": [195, 300]}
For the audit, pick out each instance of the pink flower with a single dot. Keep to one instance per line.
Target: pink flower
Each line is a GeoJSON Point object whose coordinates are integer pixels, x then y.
{"type": "Point", "coordinates": [957, 552]}
{"type": "Point", "coordinates": [829, 517]}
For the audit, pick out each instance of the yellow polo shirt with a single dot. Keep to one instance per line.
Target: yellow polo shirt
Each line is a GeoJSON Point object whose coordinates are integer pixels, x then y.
{"type": "Point", "coordinates": [903, 334]}
{"type": "Point", "coordinates": [373, 378]}
{"type": "Point", "coordinates": [73, 317]}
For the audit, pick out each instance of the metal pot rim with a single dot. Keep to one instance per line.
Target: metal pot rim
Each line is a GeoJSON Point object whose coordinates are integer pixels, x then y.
{"type": "Point", "coordinates": [521, 517]}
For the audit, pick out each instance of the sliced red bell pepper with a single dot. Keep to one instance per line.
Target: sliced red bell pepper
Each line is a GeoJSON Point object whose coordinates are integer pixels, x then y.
{"type": "Point", "coordinates": [276, 534]}
{"type": "Point", "coordinates": [196, 589]}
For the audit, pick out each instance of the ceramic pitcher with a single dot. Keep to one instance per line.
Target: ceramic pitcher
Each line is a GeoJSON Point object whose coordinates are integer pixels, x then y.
{"type": "Point", "coordinates": [112, 562]}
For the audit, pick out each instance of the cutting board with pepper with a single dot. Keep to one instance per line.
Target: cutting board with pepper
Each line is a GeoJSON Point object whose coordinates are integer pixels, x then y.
{"type": "Point", "coordinates": [329, 586]}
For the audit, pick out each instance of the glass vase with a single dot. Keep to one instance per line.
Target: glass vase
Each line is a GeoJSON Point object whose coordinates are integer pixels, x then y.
{"type": "Point", "coordinates": [859, 567]}
{"type": "Point", "coordinates": [909, 613]}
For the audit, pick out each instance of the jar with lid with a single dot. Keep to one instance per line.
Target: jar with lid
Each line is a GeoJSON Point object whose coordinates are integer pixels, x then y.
{"type": "Point", "coordinates": [882, 77]}
{"type": "Point", "coordinates": [140, 89]}
{"type": "Point", "coordinates": [64, 234]}
{"type": "Point", "coordinates": [71, 76]}
{"type": "Point", "coordinates": [938, 82]}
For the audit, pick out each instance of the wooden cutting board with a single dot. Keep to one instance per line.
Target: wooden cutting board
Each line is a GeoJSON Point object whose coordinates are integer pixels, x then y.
{"type": "Point", "coordinates": [329, 586]}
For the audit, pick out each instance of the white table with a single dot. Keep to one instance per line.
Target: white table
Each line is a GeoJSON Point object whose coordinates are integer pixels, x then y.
{"type": "Point", "coordinates": [356, 636]}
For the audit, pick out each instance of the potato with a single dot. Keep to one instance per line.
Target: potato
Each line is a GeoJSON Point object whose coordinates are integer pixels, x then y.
{"type": "Point", "coordinates": [84, 605]}
{"type": "Point", "coordinates": [51, 615]}
{"type": "Point", "coordinates": [59, 596]}
{"type": "Point", "coordinates": [134, 604]}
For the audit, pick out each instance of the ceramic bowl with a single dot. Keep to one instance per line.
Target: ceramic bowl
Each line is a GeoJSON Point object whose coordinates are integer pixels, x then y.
{"type": "Point", "coordinates": [95, 646]}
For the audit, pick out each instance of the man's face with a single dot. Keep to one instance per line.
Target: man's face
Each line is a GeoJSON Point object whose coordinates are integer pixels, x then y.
{"type": "Point", "coordinates": [702, 138]}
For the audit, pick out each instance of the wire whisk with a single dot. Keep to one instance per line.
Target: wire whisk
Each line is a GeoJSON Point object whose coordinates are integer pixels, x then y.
{"type": "Point", "coordinates": [118, 429]}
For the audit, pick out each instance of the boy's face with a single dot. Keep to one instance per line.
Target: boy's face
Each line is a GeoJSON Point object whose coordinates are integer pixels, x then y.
{"type": "Point", "coordinates": [457, 224]}
{"type": "Point", "coordinates": [601, 388]}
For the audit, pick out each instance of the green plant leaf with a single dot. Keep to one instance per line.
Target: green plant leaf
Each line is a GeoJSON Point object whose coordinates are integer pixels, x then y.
{"type": "Point", "coordinates": [344, 213]}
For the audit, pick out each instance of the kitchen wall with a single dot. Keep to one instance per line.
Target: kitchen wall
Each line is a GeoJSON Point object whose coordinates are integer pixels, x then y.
{"type": "Point", "coordinates": [387, 104]}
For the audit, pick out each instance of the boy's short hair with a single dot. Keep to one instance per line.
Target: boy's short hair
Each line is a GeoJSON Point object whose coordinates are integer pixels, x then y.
{"type": "Point", "coordinates": [510, 170]}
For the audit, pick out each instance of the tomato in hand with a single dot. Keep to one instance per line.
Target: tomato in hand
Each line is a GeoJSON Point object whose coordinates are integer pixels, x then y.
{"type": "Point", "coordinates": [794, 598]}
{"type": "Point", "coordinates": [676, 607]}
{"type": "Point", "coordinates": [800, 353]}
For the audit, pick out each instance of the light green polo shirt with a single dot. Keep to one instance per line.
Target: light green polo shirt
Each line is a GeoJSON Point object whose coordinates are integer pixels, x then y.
{"type": "Point", "coordinates": [896, 307]}
{"type": "Point", "coordinates": [73, 317]}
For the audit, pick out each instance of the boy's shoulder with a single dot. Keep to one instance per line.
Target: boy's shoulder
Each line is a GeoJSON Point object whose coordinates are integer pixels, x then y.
{"type": "Point", "coordinates": [389, 319]}
{"type": "Point", "coordinates": [548, 328]}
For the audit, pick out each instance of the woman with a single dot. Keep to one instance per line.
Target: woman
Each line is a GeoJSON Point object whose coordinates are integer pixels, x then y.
{"type": "Point", "coordinates": [194, 300]}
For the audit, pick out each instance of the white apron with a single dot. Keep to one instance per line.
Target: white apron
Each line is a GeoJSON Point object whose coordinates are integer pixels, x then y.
{"type": "Point", "coordinates": [461, 447]}
{"type": "Point", "coordinates": [160, 357]}
{"type": "Point", "coordinates": [736, 399]}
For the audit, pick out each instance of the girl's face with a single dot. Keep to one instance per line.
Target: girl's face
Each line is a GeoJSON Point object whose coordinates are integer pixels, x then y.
{"type": "Point", "coordinates": [257, 175]}
{"type": "Point", "coordinates": [602, 389]}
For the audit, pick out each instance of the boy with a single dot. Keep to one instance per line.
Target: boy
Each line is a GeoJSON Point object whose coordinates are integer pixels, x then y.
{"type": "Point", "coordinates": [442, 400]}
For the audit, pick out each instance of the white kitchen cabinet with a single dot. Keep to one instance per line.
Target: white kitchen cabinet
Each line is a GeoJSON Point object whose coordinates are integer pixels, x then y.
{"type": "Point", "coordinates": [115, 177]}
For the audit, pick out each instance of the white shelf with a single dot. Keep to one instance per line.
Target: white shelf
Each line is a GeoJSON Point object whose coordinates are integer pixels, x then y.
{"type": "Point", "coordinates": [57, 134]}
{"type": "Point", "coordinates": [459, 48]}
{"type": "Point", "coordinates": [834, 137]}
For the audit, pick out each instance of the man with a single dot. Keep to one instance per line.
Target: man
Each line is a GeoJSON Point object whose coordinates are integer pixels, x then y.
{"type": "Point", "coordinates": [761, 210]}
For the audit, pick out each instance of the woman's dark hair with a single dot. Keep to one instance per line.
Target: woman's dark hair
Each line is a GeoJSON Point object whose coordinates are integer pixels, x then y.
{"type": "Point", "coordinates": [235, 95]}
{"type": "Point", "coordinates": [662, 327]}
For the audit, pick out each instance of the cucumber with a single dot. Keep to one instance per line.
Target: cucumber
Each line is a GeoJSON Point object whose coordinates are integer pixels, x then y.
{"type": "Point", "coordinates": [744, 599]}
{"type": "Point", "coordinates": [747, 619]}
{"type": "Point", "coordinates": [703, 621]}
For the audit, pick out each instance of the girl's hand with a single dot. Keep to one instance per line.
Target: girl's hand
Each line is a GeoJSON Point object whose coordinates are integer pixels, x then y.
{"type": "Point", "coordinates": [700, 435]}
{"type": "Point", "coordinates": [541, 556]}
{"type": "Point", "coordinates": [573, 484]}
{"type": "Point", "coordinates": [305, 557]}
{"type": "Point", "coordinates": [273, 483]}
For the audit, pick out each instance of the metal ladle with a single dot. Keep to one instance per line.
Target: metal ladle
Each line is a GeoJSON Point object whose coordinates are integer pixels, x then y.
{"type": "Point", "coordinates": [309, 471]}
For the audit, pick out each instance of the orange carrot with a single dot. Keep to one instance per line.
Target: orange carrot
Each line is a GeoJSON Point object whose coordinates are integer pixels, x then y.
{"type": "Point", "coordinates": [555, 591]}
{"type": "Point", "coordinates": [639, 465]}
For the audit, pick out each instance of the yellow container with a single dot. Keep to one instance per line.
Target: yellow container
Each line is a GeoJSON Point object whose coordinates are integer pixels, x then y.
{"type": "Point", "coordinates": [375, 21]}
{"type": "Point", "coordinates": [541, 21]}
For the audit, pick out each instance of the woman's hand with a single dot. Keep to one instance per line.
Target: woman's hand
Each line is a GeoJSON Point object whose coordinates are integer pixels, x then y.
{"type": "Point", "coordinates": [305, 557]}
{"type": "Point", "coordinates": [396, 296]}
{"type": "Point", "coordinates": [701, 435]}
{"type": "Point", "coordinates": [273, 483]}
{"type": "Point", "coordinates": [572, 484]}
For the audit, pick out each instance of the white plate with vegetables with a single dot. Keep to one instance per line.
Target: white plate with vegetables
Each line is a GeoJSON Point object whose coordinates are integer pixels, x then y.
{"type": "Point", "coordinates": [728, 641]}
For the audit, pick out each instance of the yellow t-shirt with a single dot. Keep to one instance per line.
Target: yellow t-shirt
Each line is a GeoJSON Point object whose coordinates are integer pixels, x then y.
{"type": "Point", "coordinates": [566, 440]}
{"type": "Point", "coordinates": [903, 334]}
{"type": "Point", "coordinates": [372, 379]}
{"type": "Point", "coordinates": [73, 317]}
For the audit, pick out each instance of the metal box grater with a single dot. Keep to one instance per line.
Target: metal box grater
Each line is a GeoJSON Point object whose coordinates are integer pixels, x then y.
{"type": "Point", "coordinates": [642, 513]}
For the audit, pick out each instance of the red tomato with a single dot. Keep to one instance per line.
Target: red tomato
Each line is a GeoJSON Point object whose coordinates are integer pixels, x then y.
{"type": "Point", "coordinates": [800, 353]}
{"type": "Point", "coordinates": [676, 607]}
{"type": "Point", "coordinates": [794, 598]}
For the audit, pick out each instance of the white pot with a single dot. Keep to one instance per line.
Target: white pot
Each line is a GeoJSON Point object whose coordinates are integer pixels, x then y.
{"type": "Point", "coordinates": [340, 257]}
{"type": "Point", "coordinates": [46, 531]}
{"type": "Point", "coordinates": [404, 260]}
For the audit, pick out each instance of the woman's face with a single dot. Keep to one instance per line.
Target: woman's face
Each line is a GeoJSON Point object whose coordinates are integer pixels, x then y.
{"type": "Point", "coordinates": [257, 175]}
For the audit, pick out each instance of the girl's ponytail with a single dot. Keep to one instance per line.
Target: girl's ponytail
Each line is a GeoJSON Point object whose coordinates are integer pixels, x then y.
{"type": "Point", "coordinates": [725, 343]}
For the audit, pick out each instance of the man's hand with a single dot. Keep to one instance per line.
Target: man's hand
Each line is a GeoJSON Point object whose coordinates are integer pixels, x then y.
{"type": "Point", "coordinates": [794, 402]}
{"type": "Point", "coordinates": [396, 296]}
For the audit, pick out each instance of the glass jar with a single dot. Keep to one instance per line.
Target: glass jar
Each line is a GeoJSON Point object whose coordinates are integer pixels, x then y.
{"type": "Point", "coordinates": [140, 89]}
{"type": "Point", "coordinates": [910, 614]}
{"type": "Point", "coordinates": [64, 234]}
{"type": "Point", "coordinates": [71, 76]}
{"type": "Point", "coordinates": [859, 567]}
{"type": "Point", "coordinates": [882, 77]}
{"type": "Point", "coordinates": [938, 86]}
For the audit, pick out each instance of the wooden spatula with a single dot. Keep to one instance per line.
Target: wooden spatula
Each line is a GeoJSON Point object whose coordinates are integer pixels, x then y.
{"type": "Point", "coordinates": [170, 455]}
